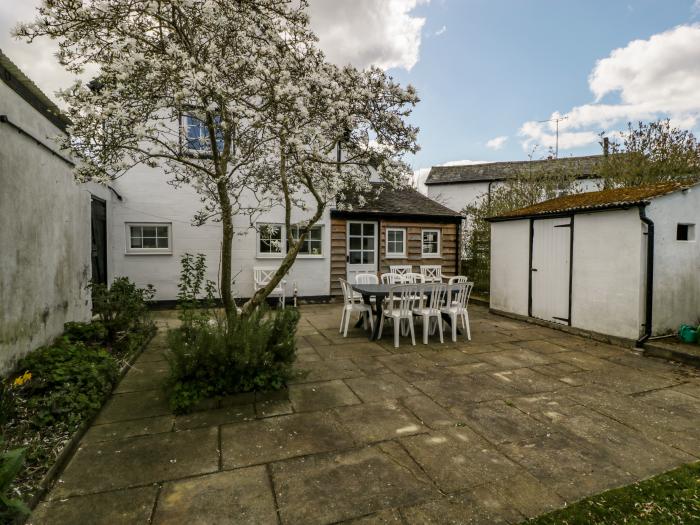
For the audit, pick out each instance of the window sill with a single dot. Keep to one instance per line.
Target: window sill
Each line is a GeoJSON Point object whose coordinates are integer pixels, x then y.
{"type": "Point", "coordinates": [431, 256]}
{"type": "Point", "coordinates": [395, 256]}
{"type": "Point", "coordinates": [269, 256]}
{"type": "Point", "coordinates": [148, 252]}
{"type": "Point", "coordinates": [308, 256]}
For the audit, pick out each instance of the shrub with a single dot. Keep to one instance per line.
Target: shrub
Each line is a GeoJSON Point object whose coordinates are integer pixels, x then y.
{"type": "Point", "coordinates": [11, 463]}
{"type": "Point", "coordinates": [91, 333]}
{"type": "Point", "coordinates": [121, 307]}
{"type": "Point", "coordinates": [211, 355]}
{"type": "Point", "coordinates": [64, 383]}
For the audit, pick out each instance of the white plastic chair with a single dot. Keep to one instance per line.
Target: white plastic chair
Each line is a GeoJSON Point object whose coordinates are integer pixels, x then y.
{"type": "Point", "coordinates": [392, 278]}
{"type": "Point", "coordinates": [462, 279]}
{"type": "Point", "coordinates": [430, 307]}
{"type": "Point", "coordinates": [366, 278]}
{"type": "Point", "coordinates": [400, 268]}
{"type": "Point", "coordinates": [459, 294]}
{"type": "Point", "coordinates": [413, 278]}
{"type": "Point", "coordinates": [262, 277]}
{"type": "Point", "coordinates": [432, 273]}
{"type": "Point", "coordinates": [353, 305]}
{"type": "Point", "coordinates": [402, 299]}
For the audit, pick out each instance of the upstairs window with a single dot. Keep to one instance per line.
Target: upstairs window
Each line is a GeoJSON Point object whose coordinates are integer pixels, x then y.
{"type": "Point", "coordinates": [196, 134]}
{"type": "Point", "coordinates": [313, 243]}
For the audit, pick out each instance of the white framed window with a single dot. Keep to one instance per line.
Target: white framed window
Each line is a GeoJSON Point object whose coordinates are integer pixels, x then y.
{"type": "Point", "coordinates": [430, 243]}
{"type": "Point", "coordinates": [313, 243]}
{"type": "Point", "coordinates": [270, 240]}
{"type": "Point", "coordinates": [395, 243]}
{"type": "Point", "coordinates": [149, 238]}
{"type": "Point", "coordinates": [196, 134]}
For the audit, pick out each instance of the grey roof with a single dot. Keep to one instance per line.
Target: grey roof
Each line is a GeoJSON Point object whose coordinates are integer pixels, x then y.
{"type": "Point", "coordinates": [30, 92]}
{"type": "Point", "coordinates": [403, 201]}
{"type": "Point", "coordinates": [586, 167]}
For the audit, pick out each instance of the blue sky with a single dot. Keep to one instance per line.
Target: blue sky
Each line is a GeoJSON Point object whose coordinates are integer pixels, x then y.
{"type": "Point", "coordinates": [488, 70]}
{"type": "Point", "coordinates": [498, 64]}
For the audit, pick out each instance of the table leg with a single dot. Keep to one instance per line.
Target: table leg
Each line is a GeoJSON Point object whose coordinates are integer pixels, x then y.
{"type": "Point", "coordinates": [377, 318]}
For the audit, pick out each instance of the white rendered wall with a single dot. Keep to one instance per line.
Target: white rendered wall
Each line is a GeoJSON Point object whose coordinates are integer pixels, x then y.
{"type": "Point", "coordinates": [510, 264]}
{"type": "Point", "coordinates": [607, 272]}
{"type": "Point", "coordinates": [148, 198]}
{"type": "Point", "coordinates": [45, 237]}
{"type": "Point", "coordinates": [676, 263]}
{"type": "Point", "coordinates": [457, 196]}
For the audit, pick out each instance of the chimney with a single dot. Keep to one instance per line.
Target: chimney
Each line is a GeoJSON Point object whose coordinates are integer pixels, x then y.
{"type": "Point", "coordinates": [606, 146]}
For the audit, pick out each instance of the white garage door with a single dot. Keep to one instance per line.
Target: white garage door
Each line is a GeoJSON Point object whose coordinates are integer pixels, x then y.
{"type": "Point", "coordinates": [551, 267]}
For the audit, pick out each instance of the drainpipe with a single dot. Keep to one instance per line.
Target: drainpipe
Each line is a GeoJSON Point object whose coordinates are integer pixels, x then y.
{"type": "Point", "coordinates": [649, 302]}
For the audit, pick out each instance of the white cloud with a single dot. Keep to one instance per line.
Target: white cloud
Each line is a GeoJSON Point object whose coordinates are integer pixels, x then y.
{"type": "Point", "coordinates": [654, 78]}
{"type": "Point", "coordinates": [496, 143]}
{"type": "Point", "coordinates": [369, 32]}
{"type": "Point", "coordinates": [443, 29]}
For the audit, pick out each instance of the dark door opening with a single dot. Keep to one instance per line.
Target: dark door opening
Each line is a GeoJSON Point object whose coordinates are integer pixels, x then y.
{"type": "Point", "coordinates": [99, 241]}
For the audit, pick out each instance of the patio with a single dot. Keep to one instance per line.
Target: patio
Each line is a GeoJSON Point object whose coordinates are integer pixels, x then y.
{"type": "Point", "coordinates": [518, 421]}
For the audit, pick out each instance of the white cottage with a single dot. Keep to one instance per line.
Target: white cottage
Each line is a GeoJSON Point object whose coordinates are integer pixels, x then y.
{"type": "Point", "coordinates": [622, 262]}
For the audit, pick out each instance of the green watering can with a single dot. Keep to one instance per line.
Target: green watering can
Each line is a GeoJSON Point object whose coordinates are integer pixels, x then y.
{"type": "Point", "coordinates": [688, 334]}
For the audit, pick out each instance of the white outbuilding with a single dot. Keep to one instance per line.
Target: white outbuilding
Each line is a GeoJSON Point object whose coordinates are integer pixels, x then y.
{"type": "Point", "coordinates": [623, 262]}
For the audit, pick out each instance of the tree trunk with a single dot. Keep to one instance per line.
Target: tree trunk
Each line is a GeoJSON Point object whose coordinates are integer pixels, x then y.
{"type": "Point", "coordinates": [226, 248]}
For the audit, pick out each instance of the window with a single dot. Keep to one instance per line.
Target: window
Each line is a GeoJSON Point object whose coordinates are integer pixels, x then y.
{"type": "Point", "coordinates": [148, 238]}
{"type": "Point", "coordinates": [685, 232]}
{"type": "Point", "coordinates": [313, 243]}
{"type": "Point", "coordinates": [196, 134]}
{"type": "Point", "coordinates": [395, 242]}
{"type": "Point", "coordinates": [270, 239]}
{"type": "Point", "coordinates": [430, 243]}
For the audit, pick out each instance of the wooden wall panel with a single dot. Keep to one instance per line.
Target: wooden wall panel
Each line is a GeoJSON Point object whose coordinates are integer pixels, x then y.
{"type": "Point", "coordinates": [448, 248]}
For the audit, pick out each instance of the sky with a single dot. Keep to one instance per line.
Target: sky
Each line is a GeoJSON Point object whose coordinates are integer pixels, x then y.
{"type": "Point", "coordinates": [488, 72]}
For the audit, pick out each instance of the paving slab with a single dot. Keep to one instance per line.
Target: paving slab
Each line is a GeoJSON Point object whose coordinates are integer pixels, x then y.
{"type": "Point", "coordinates": [528, 381]}
{"type": "Point", "coordinates": [127, 429]}
{"type": "Point", "coordinates": [350, 350]}
{"type": "Point", "coordinates": [308, 397]}
{"type": "Point", "coordinates": [111, 465]}
{"type": "Point", "coordinates": [212, 418]}
{"type": "Point", "coordinates": [522, 492]}
{"type": "Point", "coordinates": [242, 496]}
{"type": "Point", "coordinates": [441, 356]}
{"type": "Point", "coordinates": [459, 459]}
{"type": "Point", "coordinates": [120, 507]}
{"type": "Point", "coordinates": [276, 438]}
{"type": "Point", "coordinates": [144, 376]}
{"type": "Point", "coordinates": [326, 370]}
{"type": "Point", "coordinates": [518, 358]}
{"type": "Point", "coordinates": [371, 422]}
{"type": "Point", "coordinates": [134, 405]}
{"type": "Point", "coordinates": [381, 387]}
{"type": "Point", "coordinates": [335, 487]}
{"type": "Point", "coordinates": [460, 390]}
{"type": "Point", "coordinates": [414, 367]}
{"type": "Point", "coordinates": [429, 412]}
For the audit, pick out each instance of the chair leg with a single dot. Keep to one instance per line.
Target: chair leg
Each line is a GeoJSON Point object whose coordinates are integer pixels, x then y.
{"type": "Point", "coordinates": [381, 327]}
{"type": "Point", "coordinates": [426, 329]}
{"type": "Point", "coordinates": [453, 317]}
{"type": "Point", "coordinates": [342, 321]}
{"type": "Point", "coordinates": [439, 323]}
{"type": "Point", "coordinates": [371, 321]}
{"type": "Point", "coordinates": [397, 328]}
{"type": "Point", "coordinates": [466, 325]}
{"type": "Point", "coordinates": [347, 322]}
{"type": "Point", "coordinates": [413, 334]}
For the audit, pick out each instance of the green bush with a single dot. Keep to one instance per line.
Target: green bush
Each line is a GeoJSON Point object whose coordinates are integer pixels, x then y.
{"type": "Point", "coordinates": [11, 463]}
{"type": "Point", "coordinates": [66, 382]}
{"type": "Point", "coordinates": [211, 355]}
{"type": "Point", "coordinates": [122, 307]}
{"type": "Point", "coordinates": [91, 333]}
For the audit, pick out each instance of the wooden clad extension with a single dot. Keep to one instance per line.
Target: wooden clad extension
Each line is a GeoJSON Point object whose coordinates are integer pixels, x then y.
{"type": "Point", "coordinates": [448, 247]}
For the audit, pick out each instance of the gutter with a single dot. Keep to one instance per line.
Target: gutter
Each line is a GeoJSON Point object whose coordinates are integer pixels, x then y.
{"type": "Point", "coordinates": [6, 120]}
{"type": "Point", "coordinates": [649, 299]}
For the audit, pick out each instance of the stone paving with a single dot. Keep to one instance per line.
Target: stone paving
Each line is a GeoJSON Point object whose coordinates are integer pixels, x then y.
{"type": "Point", "coordinates": [519, 421]}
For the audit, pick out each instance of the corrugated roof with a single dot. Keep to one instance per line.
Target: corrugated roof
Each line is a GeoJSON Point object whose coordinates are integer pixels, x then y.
{"type": "Point", "coordinates": [597, 200]}
{"type": "Point", "coordinates": [583, 167]}
{"type": "Point", "coordinates": [29, 91]}
{"type": "Point", "coordinates": [403, 201]}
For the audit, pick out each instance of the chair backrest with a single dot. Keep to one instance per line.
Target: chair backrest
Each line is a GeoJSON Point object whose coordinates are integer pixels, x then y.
{"type": "Point", "coordinates": [460, 293]}
{"type": "Point", "coordinates": [262, 276]}
{"type": "Point", "coordinates": [458, 279]}
{"type": "Point", "coordinates": [433, 295]}
{"type": "Point", "coordinates": [431, 272]}
{"type": "Point", "coordinates": [392, 278]}
{"type": "Point", "coordinates": [366, 278]}
{"type": "Point", "coordinates": [401, 269]}
{"type": "Point", "coordinates": [402, 299]}
{"type": "Point", "coordinates": [413, 278]}
{"type": "Point", "coordinates": [348, 295]}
